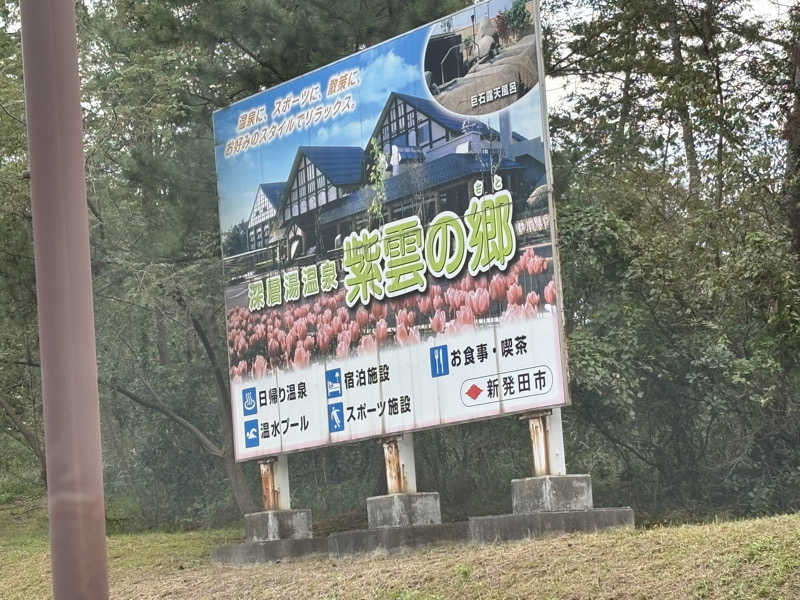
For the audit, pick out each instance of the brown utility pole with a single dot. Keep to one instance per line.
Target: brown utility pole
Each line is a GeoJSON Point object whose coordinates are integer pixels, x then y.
{"type": "Point", "coordinates": [64, 299]}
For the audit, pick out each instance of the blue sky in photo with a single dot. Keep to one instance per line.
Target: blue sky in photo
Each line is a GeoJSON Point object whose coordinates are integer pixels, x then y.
{"type": "Point", "coordinates": [395, 65]}
{"type": "Point", "coordinates": [462, 18]}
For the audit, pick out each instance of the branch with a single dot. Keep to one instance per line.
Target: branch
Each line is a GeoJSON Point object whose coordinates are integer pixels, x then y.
{"type": "Point", "coordinates": [156, 405]}
{"type": "Point", "coordinates": [5, 110]}
{"type": "Point", "coordinates": [30, 438]}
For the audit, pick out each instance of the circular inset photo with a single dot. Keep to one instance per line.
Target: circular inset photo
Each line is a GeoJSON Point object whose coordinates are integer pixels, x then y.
{"type": "Point", "coordinates": [483, 58]}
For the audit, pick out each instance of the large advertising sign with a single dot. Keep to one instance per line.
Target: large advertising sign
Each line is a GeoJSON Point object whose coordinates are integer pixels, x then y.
{"type": "Point", "coordinates": [388, 239]}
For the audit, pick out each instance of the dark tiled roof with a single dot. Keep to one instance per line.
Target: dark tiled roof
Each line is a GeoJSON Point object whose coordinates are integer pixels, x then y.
{"type": "Point", "coordinates": [450, 167]}
{"type": "Point", "coordinates": [274, 192]}
{"type": "Point", "coordinates": [342, 165]}
{"type": "Point", "coordinates": [416, 179]}
{"type": "Point", "coordinates": [350, 205]}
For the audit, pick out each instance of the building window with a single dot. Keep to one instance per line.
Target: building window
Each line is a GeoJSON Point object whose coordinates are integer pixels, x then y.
{"type": "Point", "coordinates": [309, 190]}
{"type": "Point", "coordinates": [405, 126]}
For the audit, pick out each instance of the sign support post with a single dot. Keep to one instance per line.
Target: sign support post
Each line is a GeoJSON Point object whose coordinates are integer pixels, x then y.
{"type": "Point", "coordinates": [547, 442]}
{"type": "Point", "coordinates": [402, 506]}
{"type": "Point", "coordinates": [539, 441]}
{"type": "Point", "coordinates": [401, 473]}
{"type": "Point", "coordinates": [275, 494]}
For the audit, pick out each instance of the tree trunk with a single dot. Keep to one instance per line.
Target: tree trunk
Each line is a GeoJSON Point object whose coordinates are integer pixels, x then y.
{"type": "Point", "coordinates": [241, 491]}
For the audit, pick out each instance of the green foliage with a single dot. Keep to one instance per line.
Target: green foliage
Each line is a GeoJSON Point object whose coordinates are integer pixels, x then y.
{"type": "Point", "coordinates": [235, 240]}
{"type": "Point", "coordinates": [516, 20]}
{"type": "Point", "coordinates": [377, 177]}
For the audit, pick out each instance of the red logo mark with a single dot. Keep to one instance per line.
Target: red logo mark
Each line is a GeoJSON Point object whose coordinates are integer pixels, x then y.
{"type": "Point", "coordinates": [474, 391]}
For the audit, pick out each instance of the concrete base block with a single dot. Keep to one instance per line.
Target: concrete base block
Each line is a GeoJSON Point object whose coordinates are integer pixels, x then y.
{"type": "Point", "coordinates": [270, 551]}
{"type": "Point", "coordinates": [519, 526]}
{"type": "Point", "coordinates": [404, 510]}
{"type": "Point", "coordinates": [551, 493]}
{"type": "Point", "coordinates": [395, 539]}
{"type": "Point", "coordinates": [272, 525]}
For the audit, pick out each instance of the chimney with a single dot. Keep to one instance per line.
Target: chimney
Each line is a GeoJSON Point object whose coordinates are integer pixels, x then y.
{"type": "Point", "coordinates": [505, 134]}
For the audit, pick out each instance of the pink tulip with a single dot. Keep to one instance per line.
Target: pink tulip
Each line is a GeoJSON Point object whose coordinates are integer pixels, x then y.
{"type": "Point", "coordinates": [343, 315]}
{"type": "Point", "coordinates": [308, 343]}
{"type": "Point", "coordinates": [324, 338]}
{"type": "Point", "coordinates": [379, 311]}
{"type": "Point", "coordinates": [465, 316]}
{"type": "Point", "coordinates": [497, 288]}
{"type": "Point", "coordinates": [531, 312]}
{"type": "Point", "coordinates": [454, 328]}
{"type": "Point", "coordinates": [301, 329]}
{"type": "Point", "coordinates": [514, 294]}
{"type": "Point", "coordinates": [425, 304]}
{"type": "Point", "coordinates": [438, 321]}
{"type": "Point", "coordinates": [413, 336]}
{"type": "Point", "coordinates": [526, 258]}
{"type": "Point", "coordinates": [401, 334]}
{"type": "Point", "coordinates": [302, 357]}
{"type": "Point", "coordinates": [367, 345]}
{"type": "Point", "coordinates": [355, 332]}
{"type": "Point", "coordinates": [259, 366]}
{"type": "Point", "coordinates": [342, 350]}
{"type": "Point", "coordinates": [533, 300]}
{"type": "Point", "coordinates": [452, 297]}
{"type": "Point", "coordinates": [411, 317]}
{"type": "Point", "coordinates": [479, 302]}
{"type": "Point", "coordinates": [550, 292]}
{"type": "Point", "coordinates": [336, 324]}
{"type": "Point", "coordinates": [274, 347]}
{"type": "Point", "coordinates": [291, 340]}
{"type": "Point", "coordinates": [438, 302]}
{"type": "Point", "coordinates": [537, 265]}
{"type": "Point", "coordinates": [401, 317]}
{"type": "Point", "coordinates": [381, 331]}
{"type": "Point", "coordinates": [362, 317]}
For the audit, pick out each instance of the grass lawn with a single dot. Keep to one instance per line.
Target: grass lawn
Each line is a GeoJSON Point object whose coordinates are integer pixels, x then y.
{"type": "Point", "coordinates": [757, 558]}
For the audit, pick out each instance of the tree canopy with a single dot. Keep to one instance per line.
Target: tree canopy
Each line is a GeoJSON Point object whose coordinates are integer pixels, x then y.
{"type": "Point", "coordinates": [677, 165]}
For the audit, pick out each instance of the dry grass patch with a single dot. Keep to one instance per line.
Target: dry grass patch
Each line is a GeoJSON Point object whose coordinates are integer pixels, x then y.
{"type": "Point", "coordinates": [739, 560]}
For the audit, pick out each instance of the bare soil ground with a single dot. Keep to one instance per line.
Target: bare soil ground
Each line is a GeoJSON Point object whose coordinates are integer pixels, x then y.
{"type": "Point", "coordinates": [757, 558]}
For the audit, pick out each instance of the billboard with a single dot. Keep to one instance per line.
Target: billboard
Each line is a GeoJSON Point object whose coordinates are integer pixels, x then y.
{"type": "Point", "coordinates": [389, 241]}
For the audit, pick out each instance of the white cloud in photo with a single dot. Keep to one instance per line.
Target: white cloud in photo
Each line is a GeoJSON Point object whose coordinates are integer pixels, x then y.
{"type": "Point", "coordinates": [353, 132]}
{"type": "Point", "coordinates": [384, 74]}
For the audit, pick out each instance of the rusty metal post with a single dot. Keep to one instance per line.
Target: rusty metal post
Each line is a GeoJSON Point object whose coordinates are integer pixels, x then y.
{"type": "Point", "coordinates": [394, 471]}
{"type": "Point", "coordinates": [64, 301]}
{"type": "Point", "coordinates": [269, 494]}
{"type": "Point", "coordinates": [539, 442]}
